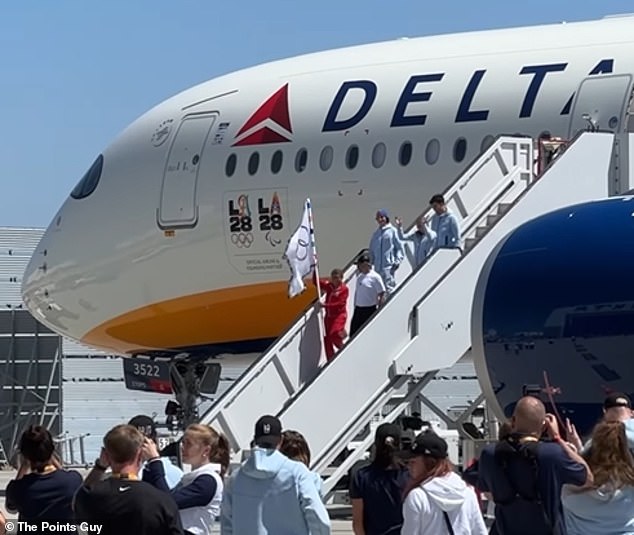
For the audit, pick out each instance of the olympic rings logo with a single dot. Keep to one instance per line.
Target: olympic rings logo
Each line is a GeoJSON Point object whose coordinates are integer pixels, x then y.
{"type": "Point", "coordinates": [242, 239]}
{"type": "Point", "coordinates": [303, 243]}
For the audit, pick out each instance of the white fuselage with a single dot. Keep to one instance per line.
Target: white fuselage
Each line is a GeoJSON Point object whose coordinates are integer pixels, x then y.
{"type": "Point", "coordinates": [160, 256]}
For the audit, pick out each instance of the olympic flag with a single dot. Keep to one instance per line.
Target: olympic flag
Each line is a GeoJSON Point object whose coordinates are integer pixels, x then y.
{"type": "Point", "coordinates": [300, 253]}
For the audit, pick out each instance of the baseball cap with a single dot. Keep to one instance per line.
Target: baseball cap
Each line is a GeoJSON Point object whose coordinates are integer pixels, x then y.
{"type": "Point", "coordinates": [386, 431]}
{"type": "Point", "coordinates": [427, 445]}
{"type": "Point", "coordinates": [268, 431]}
{"type": "Point", "coordinates": [145, 424]}
{"type": "Point", "coordinates": [617, 399]}
{"type": "Point", "coordinates": [382, 213]}
{"type": "Point", "coordinates": [363, 258]}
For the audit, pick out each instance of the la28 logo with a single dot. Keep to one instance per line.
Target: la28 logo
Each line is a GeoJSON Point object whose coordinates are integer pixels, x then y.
{"type": "Point", "coordinates": [244, 223]}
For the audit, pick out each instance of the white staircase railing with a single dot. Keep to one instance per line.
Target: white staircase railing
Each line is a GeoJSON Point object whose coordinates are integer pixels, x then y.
{"type": "Point", "coordinates": [426, 325]}
{"type": "Point", "coordinates": [494, 178]}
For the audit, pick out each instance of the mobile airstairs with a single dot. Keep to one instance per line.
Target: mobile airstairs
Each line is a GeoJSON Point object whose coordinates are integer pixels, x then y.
{"type": "Point", "coordinates": [425, 326]}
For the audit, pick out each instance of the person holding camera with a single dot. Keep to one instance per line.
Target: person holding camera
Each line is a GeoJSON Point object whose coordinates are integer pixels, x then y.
{"type": "Point", "coordinates": [42, 489]}
{"type": "Point", "coordinates": [526, 471]}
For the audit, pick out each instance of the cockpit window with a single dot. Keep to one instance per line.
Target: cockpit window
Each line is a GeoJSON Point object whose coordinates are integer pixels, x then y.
{"type": "Point", "coordinates": [89, 181]}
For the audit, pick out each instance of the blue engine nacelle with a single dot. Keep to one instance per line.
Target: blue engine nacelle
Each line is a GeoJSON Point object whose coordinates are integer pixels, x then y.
{"type": "Point", "coordinates": [553, 311]}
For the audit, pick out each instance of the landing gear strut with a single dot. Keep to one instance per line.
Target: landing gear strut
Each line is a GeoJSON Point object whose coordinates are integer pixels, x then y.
{"type": "Point", "coordinates": [189, 381]}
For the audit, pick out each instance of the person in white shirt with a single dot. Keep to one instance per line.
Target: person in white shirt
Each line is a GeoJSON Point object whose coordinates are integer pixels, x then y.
{"type": "Point", "coordinates": [438, 500]}
{"type": "Point", "coordinates": [369, 294]}
{"type": "Point", "coordinates": [199, 493]}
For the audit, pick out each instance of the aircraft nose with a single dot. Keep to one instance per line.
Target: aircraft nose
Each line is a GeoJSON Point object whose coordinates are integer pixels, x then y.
{"type": "Point", "coordinates": [51, 273]}
{"type": "Point", "coordinates": [35, 280]}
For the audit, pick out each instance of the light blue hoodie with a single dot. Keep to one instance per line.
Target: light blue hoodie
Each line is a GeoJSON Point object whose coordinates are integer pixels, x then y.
{"type": "Point", "coordinates": [386, 250]}
{"type": "Point", "coordinates": [600, 511]}
{"type": "Point", "coordinates": [447, 231]}
{"type": "Point", "coordinates": [423, 243]}
{"type": "Point", "coordinates": [173, 474]}
{"type": "Point", "coordinates": [319, 483]}
{"type": "Point", "coordinates": [272, 495]}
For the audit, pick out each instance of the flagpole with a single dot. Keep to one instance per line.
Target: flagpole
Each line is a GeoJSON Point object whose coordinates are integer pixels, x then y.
{"type": "Point", "coordinates": [320, 312]}
{"type": "Point", "coordinates": [313, 246]}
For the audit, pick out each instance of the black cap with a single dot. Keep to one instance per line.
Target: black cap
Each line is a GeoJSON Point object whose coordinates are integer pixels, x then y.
{"type": "Point", "coordinates": [388, 431]}
{"type": "Point", "coordinates": [268, 432]}
{"type": "Point", "coordinates": [428, 445]}
{"type": "Point", "coordinates": [617, 399]}
{"type": "Point", "coordinates": [145, 424]}
{"type": "Point", "coordinates": [363, 258]}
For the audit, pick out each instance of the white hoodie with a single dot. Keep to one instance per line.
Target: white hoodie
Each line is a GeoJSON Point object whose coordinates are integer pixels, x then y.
{"type": "Point", "coordinates": [424, 506]}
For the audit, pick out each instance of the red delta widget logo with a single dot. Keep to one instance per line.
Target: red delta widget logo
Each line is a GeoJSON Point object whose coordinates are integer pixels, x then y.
{"type": "Point", "coordinates": [270, 123]}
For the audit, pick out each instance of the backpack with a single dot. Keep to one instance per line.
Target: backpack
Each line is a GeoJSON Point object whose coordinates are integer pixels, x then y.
{"type": "Point", "coordinates": [526, 452]}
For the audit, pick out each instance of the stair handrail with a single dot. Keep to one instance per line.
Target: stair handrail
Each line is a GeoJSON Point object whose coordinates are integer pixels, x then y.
{"type": "Point", "coordinates": [349, 272]}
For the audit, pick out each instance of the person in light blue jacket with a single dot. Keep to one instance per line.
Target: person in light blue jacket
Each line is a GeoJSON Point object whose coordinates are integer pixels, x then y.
{"type": "Point", "coordinates": [295, 447]}
{"type": "Point", "coordinates": [444, 224]}
{"type": "Point", "coordinates": [608, 505]}
{"type": "Point", "coordinates": [271, 494]}
{"type": "Point", "coordinates": [423, 238]}
{"type": "Point", "coordinates": [386, 250]}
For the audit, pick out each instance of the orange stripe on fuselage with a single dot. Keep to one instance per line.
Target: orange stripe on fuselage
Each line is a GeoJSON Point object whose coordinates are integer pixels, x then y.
{"type": "Point", "coordinates": [243, 313]}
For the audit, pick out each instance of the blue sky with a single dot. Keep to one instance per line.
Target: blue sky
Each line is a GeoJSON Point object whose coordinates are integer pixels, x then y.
{"type": "Point", "coordinates": [74, 73]}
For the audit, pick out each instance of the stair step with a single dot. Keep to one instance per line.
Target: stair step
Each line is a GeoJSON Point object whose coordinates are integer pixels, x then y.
{"type": "Point", "coordinates": [469, 242]}
{"type": "Point", "coordinates": [481, 231]}
{"type": "Point", "coordinates": [492, 219]}
{"type": "Point", "coordinates": [504, 207]}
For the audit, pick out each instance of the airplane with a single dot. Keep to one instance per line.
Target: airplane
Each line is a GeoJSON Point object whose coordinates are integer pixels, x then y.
{"type": "Point", "coordinates": [172, 241]}
{"type": "Point", "coordinates": [565, 333]}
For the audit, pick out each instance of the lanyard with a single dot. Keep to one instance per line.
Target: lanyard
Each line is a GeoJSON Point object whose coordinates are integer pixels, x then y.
{"type": "Point", "coordinates": [131, 477]}
{"type": "Point", "coordinates": [47, 469]}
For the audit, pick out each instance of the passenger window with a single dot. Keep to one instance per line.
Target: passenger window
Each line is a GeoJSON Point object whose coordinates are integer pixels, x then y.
{"type": "Point", "coordinates": [459, 149]}
{"type": "Point", "coordinates": [486, 143]}
{"type": "Point", "coordinates": [405, 153]}
{"type": "Point", "coordinates": [301, 160]}
{"type": "Point", "coordinates": [325, 158]}
{"type": "Point", "coordinates": [254, 163]}
{"type": "Point", "coordinates": [378, 155]}
{"type": "Point", "coordinates": [276, 162]}
{"type": "Point", "coordinates": [432, 151]}
{"type": "Point", "coordinates": [230, 166]}
{"type": "Point", "coordinates": [352, 157]}
{"type": "Point", "coordinates": [89, 181]}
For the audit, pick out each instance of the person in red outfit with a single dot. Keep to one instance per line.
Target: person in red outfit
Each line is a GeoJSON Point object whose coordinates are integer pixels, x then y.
{"type": "Point", "coordinates": [336, 307]}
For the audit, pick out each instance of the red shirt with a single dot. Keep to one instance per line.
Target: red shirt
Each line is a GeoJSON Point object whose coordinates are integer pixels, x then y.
{"type": "Point", "coordinates": [336, 298]}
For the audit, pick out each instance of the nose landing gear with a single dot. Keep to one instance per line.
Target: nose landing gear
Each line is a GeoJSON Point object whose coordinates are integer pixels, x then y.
{"type": "Point", "coordinates": [190, 381]}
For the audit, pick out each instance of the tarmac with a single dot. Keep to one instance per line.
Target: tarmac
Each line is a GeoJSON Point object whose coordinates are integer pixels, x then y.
{"type": "Point", "coordinates": [340, 515]}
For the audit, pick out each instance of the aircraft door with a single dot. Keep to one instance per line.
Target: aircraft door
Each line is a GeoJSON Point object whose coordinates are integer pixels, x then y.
{"type": "Point", "coordinates": [179, 206]}
{"type": "Point", "coordinates": [599, 104]}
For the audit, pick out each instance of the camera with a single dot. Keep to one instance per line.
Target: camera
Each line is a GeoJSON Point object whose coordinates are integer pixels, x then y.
{"type": "Point", "coordinates": [532, 390]}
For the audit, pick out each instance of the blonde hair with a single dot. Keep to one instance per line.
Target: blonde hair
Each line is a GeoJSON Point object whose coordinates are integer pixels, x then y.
{"type": "Point", "coordinates": [609, 458]}
{"type": "Point", "coordinates": [219, 451]}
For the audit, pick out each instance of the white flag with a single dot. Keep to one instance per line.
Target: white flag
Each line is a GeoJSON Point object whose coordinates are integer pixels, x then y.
{"type": "Point", "coordinates": [300, 252]}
